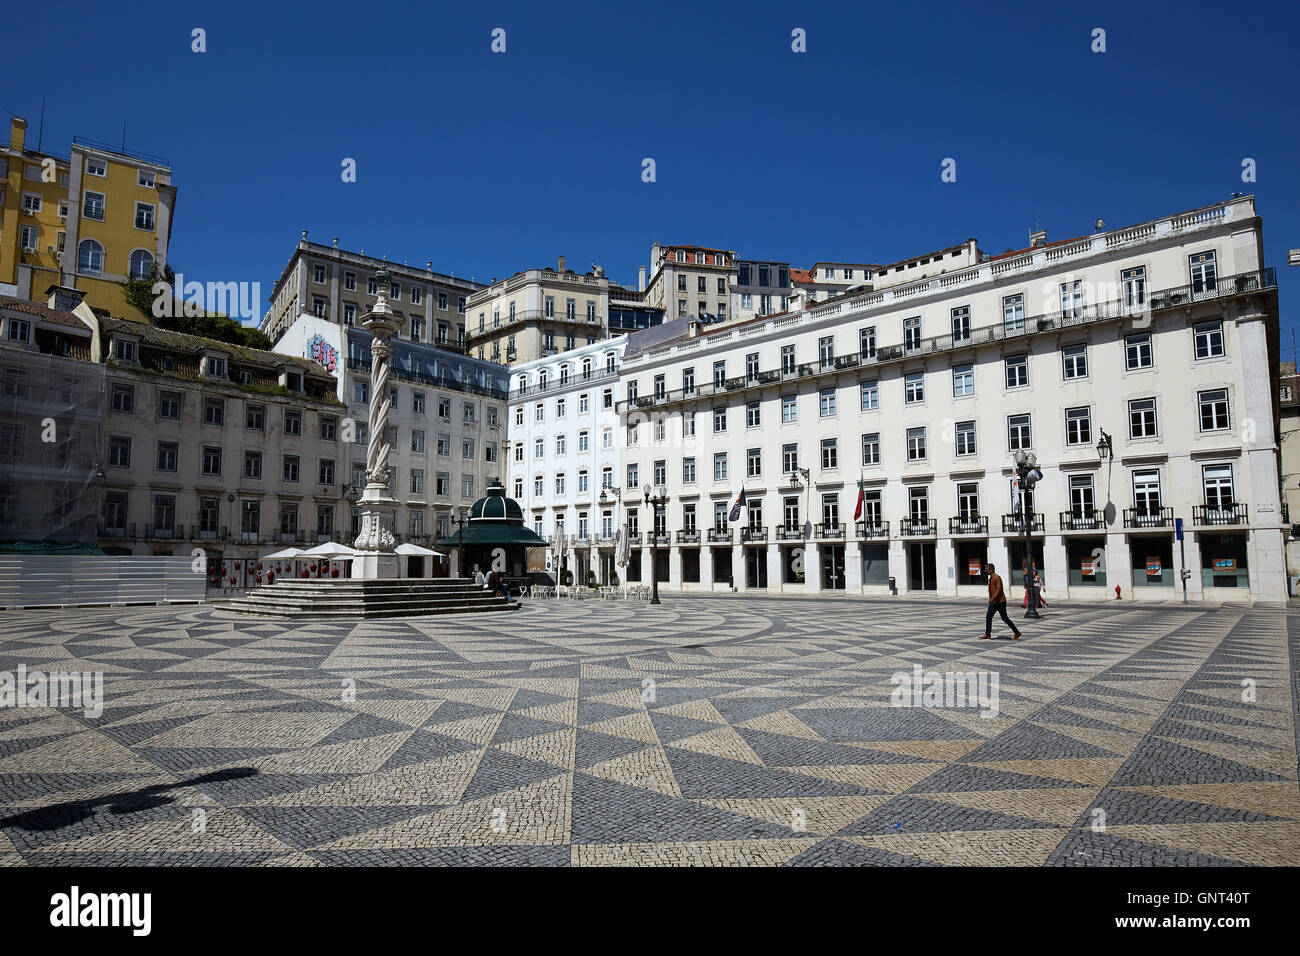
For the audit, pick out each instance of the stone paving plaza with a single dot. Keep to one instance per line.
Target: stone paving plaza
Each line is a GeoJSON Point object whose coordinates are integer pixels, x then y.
{"type": "Point", "coordinates": [1122, 738]}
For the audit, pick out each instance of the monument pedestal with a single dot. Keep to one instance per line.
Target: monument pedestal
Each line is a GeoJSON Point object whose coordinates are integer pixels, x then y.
{"type": "Point", "coordinates": [377, 561]}
{"type": "Point", "coordinates": [377, 566]}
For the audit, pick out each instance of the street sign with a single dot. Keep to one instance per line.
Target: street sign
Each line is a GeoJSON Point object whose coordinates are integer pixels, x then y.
{"type": "Point", "coordinates": [1178, 529]}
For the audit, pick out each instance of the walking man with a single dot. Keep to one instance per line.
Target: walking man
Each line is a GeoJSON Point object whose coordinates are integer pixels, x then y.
{"type": "Point", "coordinates": [997, 605]}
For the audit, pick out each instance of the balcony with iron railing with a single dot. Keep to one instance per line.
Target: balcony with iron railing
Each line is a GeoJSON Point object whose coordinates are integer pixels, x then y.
{"type": "Point", "coordinates": [1148, 517]}
{"type": "Point", "coordinates": [753, 535]}
{"type": "Point", "coordinates": [872, 528]}
{"type": "Point", "coordinates": [718, 535]}
{"type": "Point", "coordinates": [658, 538]}
{"type": "Point", "coordinates": [789, 532]}
{"type": "Point", "coordinates": [1015, 523]}
{"type": "Point", "coordinates": [688, 537]}
{"type": "Point", "coordinates": [830, 529]}
{"type": "Point", "coordinates": [1084, 519]}
{"type": "Point", "coordinates": [971, 524]}
{"type": "Point", "coordinates": [918, 527]}
{"type": "Point", "coordinates": [1112, 310]}
{"type": "Point", "coordinates": [1218, 515]}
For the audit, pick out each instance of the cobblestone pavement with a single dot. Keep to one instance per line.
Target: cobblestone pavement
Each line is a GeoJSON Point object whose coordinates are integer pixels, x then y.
{"type": "Point", "coordinates": [712, 730]}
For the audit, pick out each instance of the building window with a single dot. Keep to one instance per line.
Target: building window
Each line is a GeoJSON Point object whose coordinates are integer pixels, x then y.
{"type": "Point", "coordinates": [1217, 484]}
{"type": "Point", "coordinates": [1019, 433]}
{"type": "Point", "coordinates": [1074, 361]}
{"type": "Point", "coordinates": [325, 471]}
{"type": "Point", "coordinates": [789, 459]}
{"type": "Point", "coordinates": [1137, 351]}
{"type": "Point", "coordinates": [965, 438]}
{"type": "Point", "coordinates": [1135, 286]}
{"type": "Point", "coordinates": [252, 464]}
{"type": "Point", "coordinates": [789, 408]}
{"type": "Point", "coordinates": [830, 454]}
{"type": "Point", "coordinates": [960, 324]}
{"type": "Point", "coordinates": [90, 258]}
{"type": "Point", "coordinates": [912, 334]}
{"type": "Point", "coordinates": [720, 466]}
{"type": "Point", "coordinates": [1214, 409]}
{"type": "Point", "coordinates": [119, 451]}
{"type": "Point", "coordinates": [720, 419]}
{"type": "Point", "coordinates": [1146, 492]}
{"type": "Point", "coordinates": [293, 424]}
{"type": "Point", "coordinates": [144, 216]}
{"type": "Point", "coordinates": [826, 402]}
{"type": "Point", "coordinates": [1078, 426]}
{"type": "Point", "coordinates": [1142, 418]}
{"type": "Point", "coordinates": [1017, 367]}
{"type": "Point", "coordinates": [916, 450]}
{"type": "Point", "coordinates": [1013, 313]}
{"type": "Point", "coordinates": [913, 388]}
{"type": "Point", "coordinates": [289, 469]}
{"type": "Point", "coordinates": [93, 207]}
{"type": "Point", "coordinates": [1204, 272]}
{"type": "Point", "coordinates": [214, 412]}
{"type": "Point", "coordinates": [753, 415]}
{"type": "Point", "coordinates": [1209, 339]}
{"type": "Point", "coordinates": [871, 448]}
{"type": "Point", "coordinates": [869, 396]}
{"type": "Point", "coordinates": [168, 456]}
{"type": "Point", "coordinates": [140, 265]}
{"type": "Point", "coordinates": [754, 462]}
{"type": "Point", "coordinates": [1072, 299]}
{"type": "Point", "coordinates": [963, 380]}
{"type": "Point", "coordinates": [212, 460]}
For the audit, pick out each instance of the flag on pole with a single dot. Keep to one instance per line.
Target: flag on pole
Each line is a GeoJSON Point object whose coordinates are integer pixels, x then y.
{"type": "Point", "coordinates": [857, 509]}
{"type": "Point", "coordinates": [735, 508]}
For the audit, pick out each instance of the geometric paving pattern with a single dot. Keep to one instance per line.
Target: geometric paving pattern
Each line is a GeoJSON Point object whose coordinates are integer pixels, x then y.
{"type": "Point", "coordinates": [1122, 738]}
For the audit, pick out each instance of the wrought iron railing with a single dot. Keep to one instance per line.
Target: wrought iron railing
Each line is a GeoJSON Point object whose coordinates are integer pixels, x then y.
{"type": "Point", "coordinates": [754, 534]}
{"type": "Point", "coordinates": [688, 537]}
{"type": "Point", "coordinates": [975, 524]}
{"type": "Point", "coordinates": [1082, 520]}
{"type": "Point", "coordinates": [830, 529]}
{"type": "Point", "coordinates": [1148, 517]}
{"type": "Point", "coordinates": [1015, 523]}
{"type": "Point", "coordinates": [719, 535]}
{"type": "Point", "coordinates": [1236, 513]}
{"type": "Point", "coordinates": [873, 529]}
{"type": "Point", "coordinates": [918, 527]}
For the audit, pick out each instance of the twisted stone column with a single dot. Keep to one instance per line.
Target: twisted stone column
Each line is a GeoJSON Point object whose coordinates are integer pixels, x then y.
{"type": "Point", "coordinates": [377, 504]}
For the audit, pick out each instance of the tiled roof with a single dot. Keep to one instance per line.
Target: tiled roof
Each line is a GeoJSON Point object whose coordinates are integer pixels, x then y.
{"type": "Point", "coordinates": [46, 313]}
{"type": "Point", "coordinates": [800, 275]}
{"type": "Point", "coordinates": [182, 342]}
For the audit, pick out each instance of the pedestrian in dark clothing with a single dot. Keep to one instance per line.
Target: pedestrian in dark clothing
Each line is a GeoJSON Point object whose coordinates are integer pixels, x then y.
{"type": "Point", "coordinates": [997, 605]}
{"type": "Point", "coordinates": [496, 583]}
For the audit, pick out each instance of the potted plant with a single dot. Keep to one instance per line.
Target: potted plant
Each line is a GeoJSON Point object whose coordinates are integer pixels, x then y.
{"type": "Point", "coordinates": [591, 579]}
{"type": "Point", "coordinates": [566, 577]}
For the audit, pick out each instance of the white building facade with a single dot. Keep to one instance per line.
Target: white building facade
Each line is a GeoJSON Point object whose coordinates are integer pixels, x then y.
{"type": "Point", "coordinates": [1160, 335]}
{"type": "Point", "coordinates": [564, 454]}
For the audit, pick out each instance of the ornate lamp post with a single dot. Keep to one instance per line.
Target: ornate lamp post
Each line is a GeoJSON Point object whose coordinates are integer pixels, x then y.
{"type": "Point", "coordinates": [1028, 473]}
{"type": "Point", "coordinates": [377, 504]}
{"type": "Point", "coordinates": [655, 500]}
{"type": "Point", "coordinates": [461, 517]}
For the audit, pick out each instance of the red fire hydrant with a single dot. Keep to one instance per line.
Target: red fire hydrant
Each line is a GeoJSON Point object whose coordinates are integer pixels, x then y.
{"type": "Point", "coordinates": [1117, 595]}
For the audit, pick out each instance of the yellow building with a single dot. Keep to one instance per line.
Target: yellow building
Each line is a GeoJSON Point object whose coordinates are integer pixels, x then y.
{"type": "Point", "coordinates": [88, 220]}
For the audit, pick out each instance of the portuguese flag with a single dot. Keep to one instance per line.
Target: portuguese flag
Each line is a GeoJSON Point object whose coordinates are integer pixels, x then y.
{"type": "Point", "coordinates": [857, 510]}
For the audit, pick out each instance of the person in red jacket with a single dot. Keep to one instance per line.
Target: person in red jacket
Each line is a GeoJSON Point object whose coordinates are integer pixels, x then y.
{"type": "Point", "coordinates": [997, 605]}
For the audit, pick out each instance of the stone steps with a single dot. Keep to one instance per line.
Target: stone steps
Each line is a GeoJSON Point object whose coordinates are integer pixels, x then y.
{"type": "Point", "coordinates": [350, 600]}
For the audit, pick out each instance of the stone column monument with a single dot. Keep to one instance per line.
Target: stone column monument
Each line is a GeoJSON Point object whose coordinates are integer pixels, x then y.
{"type": "Point", "coordinates": [378, 508]}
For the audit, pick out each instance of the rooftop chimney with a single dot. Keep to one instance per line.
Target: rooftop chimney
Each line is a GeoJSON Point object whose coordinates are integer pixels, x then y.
{"type": "Point", "coordinates": [561, 265]}
{"type": "Point", "coordinates": [1038, 238]}
{"type": "Point", "coordinates": [17, 133]}
{"type": "Point", "coordinates": [640, 280]}
{"type": "Point", "coordinates": [692, 328]}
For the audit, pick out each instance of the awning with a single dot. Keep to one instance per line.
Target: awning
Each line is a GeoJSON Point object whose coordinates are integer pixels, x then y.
{"type": "Point", "coordinates": [331, 549]}
{"type": "Point", "coordinates": [417, 551]}
{"type": "Point", "coordinates": [285, 555]}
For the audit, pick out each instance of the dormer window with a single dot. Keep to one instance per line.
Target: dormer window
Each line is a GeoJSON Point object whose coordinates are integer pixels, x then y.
{"type": "Point", "coordinates": [19, 330]}
{"type": "Point", "coordinates": [293, 381]}
{"type": "Point", "coordinates": [216, 366]}
{"type": "Point", "coordinates": [245, 377]}
{"type": "Point", "coordinates": [169, 363]}
{"type": "Point", "coordinates": [124, 350]}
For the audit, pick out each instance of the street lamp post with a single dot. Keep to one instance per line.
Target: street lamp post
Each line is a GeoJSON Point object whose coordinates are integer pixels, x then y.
{"type": "Point", "coordinates": [460, 516]}
{"type": "Point", "coordinates": [1028, 473]}
{"type": "Point", "coordinates": [655, 500]}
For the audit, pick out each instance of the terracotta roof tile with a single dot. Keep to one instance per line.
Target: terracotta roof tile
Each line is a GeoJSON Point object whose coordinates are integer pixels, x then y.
{"type": "Point", "coordinates": [45, 312]}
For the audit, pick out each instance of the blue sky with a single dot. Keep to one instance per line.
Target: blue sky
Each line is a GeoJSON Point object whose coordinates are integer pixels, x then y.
{"type": "Point", "coordinates": [490, 163]}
